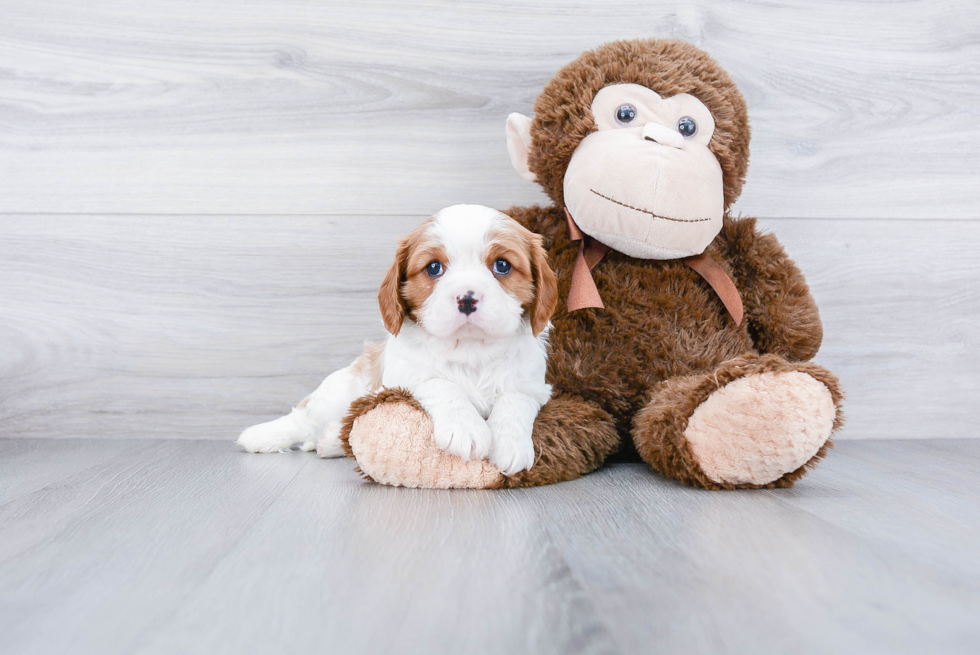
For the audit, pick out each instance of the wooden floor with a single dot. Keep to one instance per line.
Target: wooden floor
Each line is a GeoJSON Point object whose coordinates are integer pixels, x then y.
{"type": "Point", "coordinates": [140, 546]}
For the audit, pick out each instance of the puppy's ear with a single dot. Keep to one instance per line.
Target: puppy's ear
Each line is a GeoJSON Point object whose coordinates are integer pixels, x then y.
{"type": "Point", "coordinates": [394, 307]}
{"type": "Point", "coordinates": [545, 286]}
{"type": "Point", "coordinates": [390, 295]}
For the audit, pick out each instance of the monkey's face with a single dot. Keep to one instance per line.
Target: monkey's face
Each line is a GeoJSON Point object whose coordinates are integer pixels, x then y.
{"type": "Point", "coordinates": [645, 142]}
{"type": "Point", "coordinates": [645, 183]}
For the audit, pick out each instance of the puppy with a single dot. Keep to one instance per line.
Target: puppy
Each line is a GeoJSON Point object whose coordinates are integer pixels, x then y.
{"type": "Point", "coordinates": [466, 304]}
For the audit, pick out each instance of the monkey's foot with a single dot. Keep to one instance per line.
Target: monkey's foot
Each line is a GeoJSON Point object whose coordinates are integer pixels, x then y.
{"type": "Point", "coordinates": [752, 422]}
{"type": "Point", "coordinates": [760, 427]}
{"type": "Point", "coordinates": [390, 436]}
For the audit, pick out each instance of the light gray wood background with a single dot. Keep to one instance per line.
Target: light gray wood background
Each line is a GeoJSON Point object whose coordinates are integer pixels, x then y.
{"type": "Point", "coordinates": [197, 200]}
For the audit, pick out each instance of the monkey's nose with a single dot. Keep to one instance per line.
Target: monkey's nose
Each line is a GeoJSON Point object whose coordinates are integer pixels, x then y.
{"type": "Point", "coordinates": [662, 135]}
{"type": "Point", "coordinates": [467, 303]}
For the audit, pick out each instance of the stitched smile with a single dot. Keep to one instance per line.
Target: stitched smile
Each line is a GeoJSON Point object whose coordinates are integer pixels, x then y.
{"type": "Point", "coordinates": [666, 218]}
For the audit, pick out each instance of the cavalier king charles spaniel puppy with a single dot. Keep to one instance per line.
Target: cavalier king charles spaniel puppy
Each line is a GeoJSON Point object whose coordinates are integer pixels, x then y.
{"type": "Point", "coordinates": [467, 304]}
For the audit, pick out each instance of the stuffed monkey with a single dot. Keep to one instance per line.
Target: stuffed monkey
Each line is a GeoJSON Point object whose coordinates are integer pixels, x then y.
{"type": "Point", "coordinates": [679, 327]}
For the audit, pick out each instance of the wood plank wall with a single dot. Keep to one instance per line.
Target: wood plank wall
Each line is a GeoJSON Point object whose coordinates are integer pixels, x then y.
{"type": "Point", "coordinates": [198, 199]}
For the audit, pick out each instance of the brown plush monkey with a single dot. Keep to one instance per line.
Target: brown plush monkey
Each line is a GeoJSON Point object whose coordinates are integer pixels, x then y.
{"type": "Point", "coordinates": [679, 327]}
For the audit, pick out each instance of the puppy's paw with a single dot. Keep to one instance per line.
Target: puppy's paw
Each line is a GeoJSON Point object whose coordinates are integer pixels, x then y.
{"type": "Point", "coordinates": [462, 433]}
{"type": "Point", "coordinates": [512, 449]}
{"type": "Point", "coordinates": [328, 445]}
{"type": "Point", "coordinates": [265, 438]}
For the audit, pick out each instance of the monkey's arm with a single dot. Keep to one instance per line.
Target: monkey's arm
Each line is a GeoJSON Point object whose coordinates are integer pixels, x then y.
{"type": "Point", "coordinates": [782, 315]}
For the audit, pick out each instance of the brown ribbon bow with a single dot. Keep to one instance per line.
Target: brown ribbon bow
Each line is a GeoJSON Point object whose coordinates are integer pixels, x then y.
{"type": "Point", "coordinates": [584, 292]}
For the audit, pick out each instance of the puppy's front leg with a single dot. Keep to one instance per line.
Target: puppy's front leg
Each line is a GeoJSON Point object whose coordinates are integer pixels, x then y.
{"type": "Point", "coordinates": [511, 424]}
{"type": "Point", "coordinates": [457, 427]}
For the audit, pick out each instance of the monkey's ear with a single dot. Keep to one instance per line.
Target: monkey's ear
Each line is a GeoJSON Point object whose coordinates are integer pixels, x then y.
{"type": "Point", "coordinates": [519, 144]}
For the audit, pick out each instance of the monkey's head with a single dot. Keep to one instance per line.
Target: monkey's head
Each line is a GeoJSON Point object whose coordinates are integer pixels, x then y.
{"type": "Point", "coordinates": [645, 142]}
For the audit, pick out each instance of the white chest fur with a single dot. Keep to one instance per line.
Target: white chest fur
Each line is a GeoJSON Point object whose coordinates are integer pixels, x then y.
{"type": "Point", "coordinates": [483, 370]}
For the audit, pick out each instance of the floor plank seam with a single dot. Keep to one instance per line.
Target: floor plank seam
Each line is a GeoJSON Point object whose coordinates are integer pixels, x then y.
{"type": "Point", "coordinates": [139, 642]}
{"type": "Point", "coordinates": [81, 471]}
{"type": "Point", "coordinates": [833, 528]}
{"type": "Point", "coordinates": [584, 592]}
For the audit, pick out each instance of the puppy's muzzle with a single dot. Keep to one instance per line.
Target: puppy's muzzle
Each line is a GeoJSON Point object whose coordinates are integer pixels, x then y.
{"type": "Point", "coordinates": [466, 303]}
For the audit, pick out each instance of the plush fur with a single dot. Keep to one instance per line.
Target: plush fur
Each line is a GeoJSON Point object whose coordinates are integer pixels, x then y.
{"type": "Point", "coordinates": [388, 433]}
{"type": "Point", "coordinates": [660, 427]}
{"type": "Point", "coordinates": [664, 344]}
{"type": "Point", "coordinates": [562, 115]}
{"type": "Point", "coordinates": [382, 436]}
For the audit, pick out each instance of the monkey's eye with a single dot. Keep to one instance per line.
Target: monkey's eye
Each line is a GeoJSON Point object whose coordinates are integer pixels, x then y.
{"type": "Point", "coordinates": [434, 268]}
{"type": "Point", "coordinates": [687, 127]}
{"type": "Point", "coordinates": [501, 267]}
{"type": "Point", "coordinates": [625, 114]}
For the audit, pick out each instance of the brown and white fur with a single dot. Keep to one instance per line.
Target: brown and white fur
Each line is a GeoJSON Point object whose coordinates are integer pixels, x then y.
{"type": "Point", "coordinates": [467, 337]}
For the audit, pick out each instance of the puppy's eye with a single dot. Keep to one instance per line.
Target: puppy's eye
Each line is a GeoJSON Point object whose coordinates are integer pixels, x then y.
{"type": "Point", "coordinates": [434, 268]}
{"type": "Point", "coordinates": [501, 267]}
{"type": "Point", "coordinates": [687, 127]}
{"type": "Point", "coordinates": [625, 114]}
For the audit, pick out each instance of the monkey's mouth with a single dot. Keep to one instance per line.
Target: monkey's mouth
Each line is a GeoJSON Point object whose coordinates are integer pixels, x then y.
{"type": "Point", "coordinates": [650, 213]}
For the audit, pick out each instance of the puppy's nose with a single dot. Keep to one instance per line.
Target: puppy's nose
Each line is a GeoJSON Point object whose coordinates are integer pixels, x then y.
{"type": "Point", "coordinates": [467, 303]}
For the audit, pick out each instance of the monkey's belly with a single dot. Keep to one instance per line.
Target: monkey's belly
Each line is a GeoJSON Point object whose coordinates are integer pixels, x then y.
{"type": "Point", "coordinates": [661, 320]}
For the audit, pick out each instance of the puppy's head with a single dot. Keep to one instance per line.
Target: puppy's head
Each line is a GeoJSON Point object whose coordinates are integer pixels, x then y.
{"type": "Point", "coordinates": [469, 272]}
